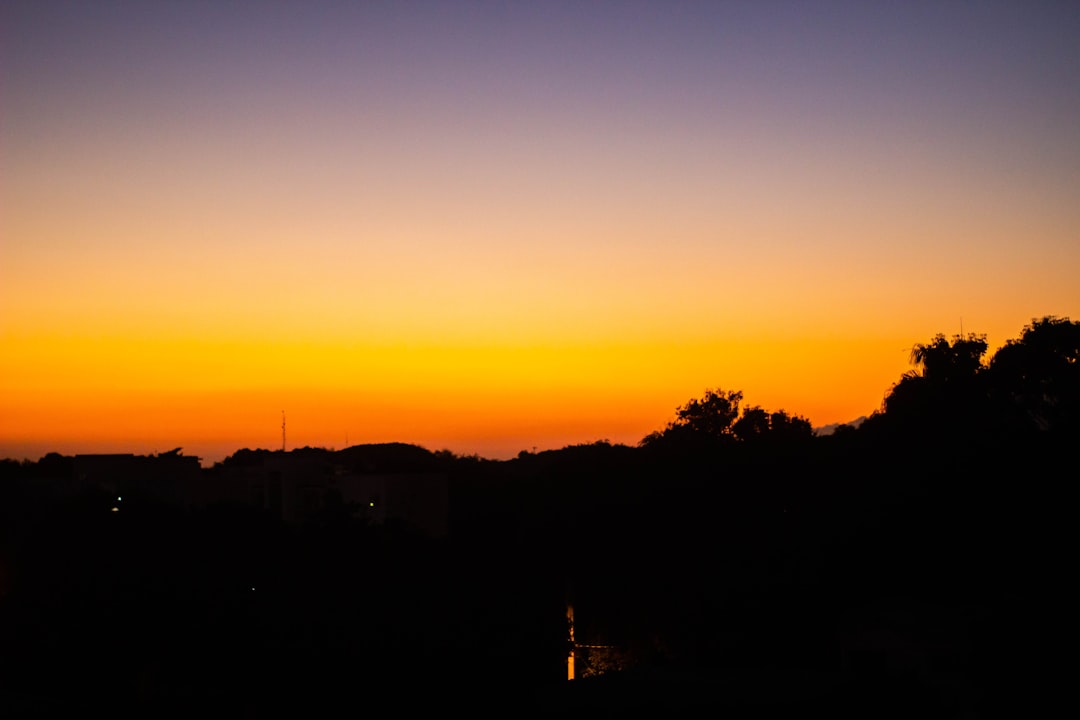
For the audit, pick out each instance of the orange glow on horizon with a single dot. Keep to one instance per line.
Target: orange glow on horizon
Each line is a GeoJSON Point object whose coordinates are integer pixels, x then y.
{"type": "Point", "coordinates": [494, 231]}
{"type": "Point", "coordinates": [492, 400]}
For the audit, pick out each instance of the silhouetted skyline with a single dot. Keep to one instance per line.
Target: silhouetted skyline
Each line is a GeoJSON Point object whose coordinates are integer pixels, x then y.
{"type": "Point", "coordinates": [732, 561]}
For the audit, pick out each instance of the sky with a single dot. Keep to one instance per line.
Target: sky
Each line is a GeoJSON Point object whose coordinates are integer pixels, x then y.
{"type": "Point", "coordinates": [501, 226]}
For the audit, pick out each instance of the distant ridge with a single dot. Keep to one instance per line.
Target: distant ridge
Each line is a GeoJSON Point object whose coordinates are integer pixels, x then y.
{"type": "Point", "coordinates": [831, 428]}
{"type": "Point", "coordinates": [400, 456]}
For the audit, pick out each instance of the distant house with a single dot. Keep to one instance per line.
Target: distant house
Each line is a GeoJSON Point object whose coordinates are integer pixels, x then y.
{"type": "Point", "coordinates": [162, 478]}
{"type": "Point", "coordinates": [298, 485]}
{"type": "Point", "coordinates": [420, 500]}
{"type": "Point", "coordinates": [290, 485]}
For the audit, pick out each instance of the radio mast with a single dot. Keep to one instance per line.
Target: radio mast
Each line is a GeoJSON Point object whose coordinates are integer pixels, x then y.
{"type": "Point", "coordinates": [282, 431]}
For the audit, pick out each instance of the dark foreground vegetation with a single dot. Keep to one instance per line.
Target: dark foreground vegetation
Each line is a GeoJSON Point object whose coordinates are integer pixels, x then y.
{"type": "Point", "coordinates": [914, 566]}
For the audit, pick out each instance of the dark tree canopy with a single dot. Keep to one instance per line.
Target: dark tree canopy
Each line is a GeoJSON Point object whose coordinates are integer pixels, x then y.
{"type": "Point", "coordinates": [944, 383]}
{"type": "Point", "coordinates": [1031, 384]}
{"type": "Point", "coordinates": [753, 424]}
{"type": "Point", "coordinates": [943, 361]}
{"type": "Point", "coordinates": [1035, 380]}
{"type": "Point", "coordinates": [714, 414]}
{"type": "Point", "coordinates": [716, 417]}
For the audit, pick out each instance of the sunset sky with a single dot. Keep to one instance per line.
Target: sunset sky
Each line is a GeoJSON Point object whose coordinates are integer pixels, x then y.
{"type": "Point", "coordinates": [491, 227]}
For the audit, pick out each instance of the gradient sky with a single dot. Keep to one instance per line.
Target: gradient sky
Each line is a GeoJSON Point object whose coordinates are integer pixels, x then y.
{"type": "Point", "coordinates": [491, 227]}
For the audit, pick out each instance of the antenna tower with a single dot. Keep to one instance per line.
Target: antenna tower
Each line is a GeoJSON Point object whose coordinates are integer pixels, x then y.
{"type": "Point", "coordinates": [282, 431]}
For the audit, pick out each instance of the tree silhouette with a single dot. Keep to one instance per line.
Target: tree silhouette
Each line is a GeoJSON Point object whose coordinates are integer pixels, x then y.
{"type": "Point", "coordinates": [753, 424]}
{"type": "Point", "coordinates": [946, 392]}
{"type": "Point", "coordinates": [942, 361]}
{"type": "Point", "coordinates": [1031, 385]}
{"type": "Point", "coordinates": [1036, 379]}
{"type": "Point", "coordinates": [710, 418]}
{"type": "Point", "coordinates": [716, 418]}
{"type": "Point", "coordinates": [713, 415]}
{"type": "Point", "coordinates": [786, 427]}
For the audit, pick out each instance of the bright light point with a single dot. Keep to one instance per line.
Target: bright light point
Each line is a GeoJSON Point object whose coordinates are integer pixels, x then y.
{"type": "Point", "coordinates": [116, 509]}
{"type": "Point", "coordinates": [371, 504]}
{"type": "Point", "coordinates": [119, 499]}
